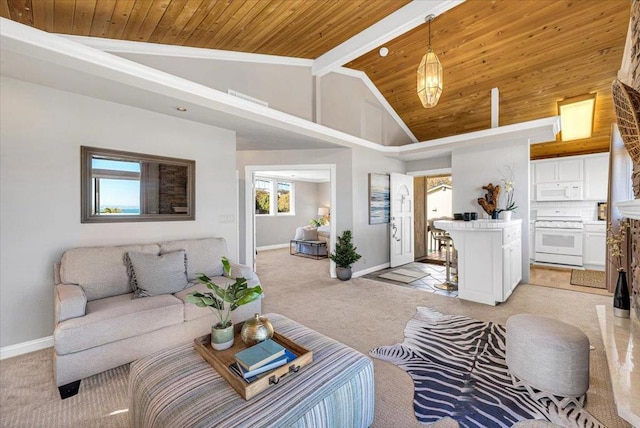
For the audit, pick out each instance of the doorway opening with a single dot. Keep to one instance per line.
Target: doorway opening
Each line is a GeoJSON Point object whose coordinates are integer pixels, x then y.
{"type": "Point", "coordinates": [433, 202]}
{"type": "Point", "coordinates": [282, 199]}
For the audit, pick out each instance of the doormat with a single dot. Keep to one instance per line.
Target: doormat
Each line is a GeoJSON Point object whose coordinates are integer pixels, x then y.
{"type": "Point", "coordinates": [403, 275]}
{"type": "Point", "coordinates": [588, 278]}
{"type": "Point", "coordinates": [459, 371]}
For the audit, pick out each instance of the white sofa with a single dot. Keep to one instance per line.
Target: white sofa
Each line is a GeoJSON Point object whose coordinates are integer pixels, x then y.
{"type": "Point", "coordinates": [311, 233]}
{"type": "Point", "coordinates": [99, 324]}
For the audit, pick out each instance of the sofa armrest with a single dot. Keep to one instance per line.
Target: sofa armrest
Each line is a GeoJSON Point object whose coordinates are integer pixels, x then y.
{"type": "Point", "coordinates": [70, 302]}
{"type": "Point", "coordinates": [242, 271]}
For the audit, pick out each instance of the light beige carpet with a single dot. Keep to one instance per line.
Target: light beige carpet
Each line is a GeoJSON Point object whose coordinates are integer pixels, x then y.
{"type": "Point", "coordinates": [361, 313]}
{"type": "Point", "coordinates": [588, 278]}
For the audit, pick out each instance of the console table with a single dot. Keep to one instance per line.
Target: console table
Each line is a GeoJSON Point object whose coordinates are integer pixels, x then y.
{"type": "Point", "coordinates": [316, 249]}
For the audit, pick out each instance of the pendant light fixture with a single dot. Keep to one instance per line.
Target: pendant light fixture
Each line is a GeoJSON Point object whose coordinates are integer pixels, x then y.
{"type": "Point", "coordinates": [429, 75]}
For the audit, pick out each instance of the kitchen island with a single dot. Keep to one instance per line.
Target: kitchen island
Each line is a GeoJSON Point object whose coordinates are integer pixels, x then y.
{"type": "Point", "coordinates": [489, 257]}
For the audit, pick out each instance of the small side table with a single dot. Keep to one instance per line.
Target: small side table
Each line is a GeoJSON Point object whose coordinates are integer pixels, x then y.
{"type": "Point", "coordinates": [314, 248]}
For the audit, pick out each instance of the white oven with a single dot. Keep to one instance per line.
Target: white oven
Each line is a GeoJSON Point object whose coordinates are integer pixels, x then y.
{"type": "Point", "coordinates": [558, 237]}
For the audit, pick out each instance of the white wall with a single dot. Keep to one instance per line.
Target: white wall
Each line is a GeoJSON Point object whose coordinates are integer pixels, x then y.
{"type": "Point", "coordinates": [345, 103]}
{"type": "Point", "coordinates": [41, 131]}
{"type": "Point", "coordinates": [324, 195]}
{"type": "Point", "coordinates": [372, 240]}
{"type": "Point", "coordinates": [475, 166]}
{"type": "Point", "coordinates": [280, 229]}
{"type": "Point", "coordinates": [286, 88]}
{"type": "Point", "coordinates": [441, 162]}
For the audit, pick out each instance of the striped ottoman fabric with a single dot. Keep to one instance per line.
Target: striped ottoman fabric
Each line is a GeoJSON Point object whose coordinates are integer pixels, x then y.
{"type": "Point", "coordinates": [178, 388]}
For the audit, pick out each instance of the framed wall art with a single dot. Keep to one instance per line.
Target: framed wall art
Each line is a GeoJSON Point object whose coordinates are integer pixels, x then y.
{"type": "Point", "coordinates": [379, 202]}
{"type": "Point", "coordinates": [602, 211]}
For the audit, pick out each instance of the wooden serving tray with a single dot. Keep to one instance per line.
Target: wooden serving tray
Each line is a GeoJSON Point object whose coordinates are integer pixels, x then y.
{"type": "Point", "coordinates": [221, 360]}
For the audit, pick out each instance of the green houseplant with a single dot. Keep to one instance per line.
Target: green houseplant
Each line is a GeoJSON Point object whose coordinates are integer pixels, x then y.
{"type": "Point", "coordinates": [344, 256]}
{"type": "Point", "coordinates": [222, 301]}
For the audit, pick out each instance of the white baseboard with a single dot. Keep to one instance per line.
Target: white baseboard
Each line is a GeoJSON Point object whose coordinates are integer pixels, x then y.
{"type": "Point", "coordinates": [371, 269]}
{"type": "Point", "coordinates": [26, 347]}
{"type": "Point", "coordinates": [272, 247]}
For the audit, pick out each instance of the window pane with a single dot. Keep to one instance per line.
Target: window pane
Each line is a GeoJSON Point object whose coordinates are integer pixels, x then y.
{"type": "Point", "coordinates": [284, 197]}
{"type": "Point", "coordinates": [263, 196]}
{"type": "Point", "coordinates": [119, 196]}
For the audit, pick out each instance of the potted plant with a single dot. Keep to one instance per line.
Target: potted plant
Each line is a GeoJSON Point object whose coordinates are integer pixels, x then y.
{"type": "Point", "coordinates": [344, 256]}
{"type": "Point", "coordinates": [510, 206]}
{"type": "Point", "coordinates": [223, 301]}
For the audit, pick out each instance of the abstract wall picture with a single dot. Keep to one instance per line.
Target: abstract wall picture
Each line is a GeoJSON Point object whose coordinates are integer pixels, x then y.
{"type": "Point", "coordinates": [379, 206]}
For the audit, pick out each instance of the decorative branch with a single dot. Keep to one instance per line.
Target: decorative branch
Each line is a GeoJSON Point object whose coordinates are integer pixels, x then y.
{"type": "Point", "coordinates": [490, 201]}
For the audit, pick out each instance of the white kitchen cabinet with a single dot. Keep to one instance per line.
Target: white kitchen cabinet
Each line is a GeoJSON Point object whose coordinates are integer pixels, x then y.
{"type": "Point", "coordinates": [550, 171]}
{"type": "Point", "coordinates": [532, 241]}
{"type": "Point", "coordinates": [594, 246]}
{"type": "Point", "coordinates": [596, 177]}
{"type": "Point", "coordinates": [546, 171]}
{"type": "Point", "coordinates": [489, 258]}
{"type": "Point", "coordinates": [570, 169]}
{"type": "Point", "coordinates": [512, 266]}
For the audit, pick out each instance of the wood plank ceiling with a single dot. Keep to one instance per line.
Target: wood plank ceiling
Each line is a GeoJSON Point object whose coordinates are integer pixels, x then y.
{"type": "Point", "coordinates": [536, 52]}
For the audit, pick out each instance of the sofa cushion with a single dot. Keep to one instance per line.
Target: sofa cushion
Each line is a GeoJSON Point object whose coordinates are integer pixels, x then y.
{"type": "Point", "coordinates": [100, 271]}
{"type": "Point", "coordinates": [116, 318]}
{"type": "Point", "coordinates": [309, 234]}
{"type": "Point", "coordinates": [152, 275]}
{"type": "Point", "coordinates": [203, 255]}
{"type": "Point", "coordinates": [192, 311]}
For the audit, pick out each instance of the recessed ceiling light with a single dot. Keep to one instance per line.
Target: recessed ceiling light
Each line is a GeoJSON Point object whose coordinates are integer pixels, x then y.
{"type": "Point", "coordinates": [383, 51]}
{"type": "Point", "coordinates": [181, 108]}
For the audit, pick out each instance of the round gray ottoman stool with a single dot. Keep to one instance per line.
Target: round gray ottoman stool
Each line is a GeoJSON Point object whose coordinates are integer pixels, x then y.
{"type": "Point", "coordinates": [549, 358]}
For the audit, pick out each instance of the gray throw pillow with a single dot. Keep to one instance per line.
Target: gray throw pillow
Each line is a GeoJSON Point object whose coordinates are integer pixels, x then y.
{"type": "Point", "coordinates": [310, 235]}
{"type": "Point", "coordinates": [152, 275]}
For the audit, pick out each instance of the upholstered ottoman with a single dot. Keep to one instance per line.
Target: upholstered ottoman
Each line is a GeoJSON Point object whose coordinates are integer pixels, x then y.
{"type": "Point", "coordinates": [178, 388]}
{"type": "Point", "coordinates": [548, 357]}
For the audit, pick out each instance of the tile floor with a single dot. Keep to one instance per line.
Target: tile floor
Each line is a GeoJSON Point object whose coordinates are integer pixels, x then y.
{"type": "Point", "coordinates": [428, 283]}
{"type": "Point", "coordinates": [560, 278]}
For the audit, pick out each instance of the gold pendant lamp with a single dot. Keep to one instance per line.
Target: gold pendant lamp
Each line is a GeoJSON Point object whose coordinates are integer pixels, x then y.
{"type": "Point", "coordinates": [429, 75]}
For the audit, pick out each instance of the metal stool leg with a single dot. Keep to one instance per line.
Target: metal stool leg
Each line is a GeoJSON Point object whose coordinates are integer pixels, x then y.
{"type": "Point", "coordinates": [448, 285]}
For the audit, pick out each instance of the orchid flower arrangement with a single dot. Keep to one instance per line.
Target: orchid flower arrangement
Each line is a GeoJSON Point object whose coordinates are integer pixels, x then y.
{"type": "Point", "coordinates": [508, 184]}
{"type": "Point", "coordinates": [615, 243]}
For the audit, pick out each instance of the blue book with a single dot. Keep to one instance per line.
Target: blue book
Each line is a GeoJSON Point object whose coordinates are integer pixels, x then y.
{"type": "Point", "coordinates": [252, 375]}
{"type": "Point", "coordinates": [260, 354]}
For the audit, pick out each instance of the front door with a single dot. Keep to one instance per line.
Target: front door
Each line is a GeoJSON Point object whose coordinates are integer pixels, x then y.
{"type": "Point", "coordinates": [401, 231]}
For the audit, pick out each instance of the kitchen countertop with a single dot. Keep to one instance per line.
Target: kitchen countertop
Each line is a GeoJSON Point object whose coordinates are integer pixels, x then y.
{"type": "Point", "coordinates": [476, 224]}
{"type": "Point", "coordinates": [595, 222]}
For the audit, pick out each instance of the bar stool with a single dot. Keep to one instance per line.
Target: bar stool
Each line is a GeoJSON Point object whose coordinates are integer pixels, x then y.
{"type": "Point", "coordinates": [450, 284]}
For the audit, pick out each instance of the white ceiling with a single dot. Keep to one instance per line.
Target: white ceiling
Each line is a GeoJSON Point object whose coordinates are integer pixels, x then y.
{"type": "Point", "coordinates": [38, 57]}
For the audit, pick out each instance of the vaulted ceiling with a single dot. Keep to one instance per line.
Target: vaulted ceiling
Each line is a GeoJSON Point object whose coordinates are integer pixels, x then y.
{"type": "Point", "coordinates": [536, 52]}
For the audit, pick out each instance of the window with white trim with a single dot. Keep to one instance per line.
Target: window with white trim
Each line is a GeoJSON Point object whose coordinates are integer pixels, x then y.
{"type": "Point", "coordinates": [274, 197]}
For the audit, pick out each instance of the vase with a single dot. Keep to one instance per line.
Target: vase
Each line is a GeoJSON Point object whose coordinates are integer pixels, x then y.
{"type": "Point", "coordinates": [506, 215]}
{"type": "Point", "coordinates": [343, 273]}
{"type": "Point", "coordinates": [495, 215]}
{"type": "Point", "coordinates": [256, 330]}
{"type": "Point", "coordinates": [221, 338]}
{"type": "Point", "coordinates": [621, 299]}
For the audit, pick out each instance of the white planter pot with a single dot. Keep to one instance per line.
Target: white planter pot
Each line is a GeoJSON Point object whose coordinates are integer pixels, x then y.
{"type": "Point", "coordinates": [506, 215]}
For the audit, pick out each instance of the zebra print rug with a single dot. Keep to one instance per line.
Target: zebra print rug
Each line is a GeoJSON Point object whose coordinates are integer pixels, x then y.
{"type": "Point", "coordinates": [458, 369]}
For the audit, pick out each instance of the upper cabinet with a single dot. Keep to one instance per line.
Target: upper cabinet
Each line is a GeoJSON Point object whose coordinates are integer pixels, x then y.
{"type": "Point", "coordinates": [551, 171]}
{"type": "Point", "coordinates": [573, 178]}
{"type": "Point", "coordinates": [596, 177]}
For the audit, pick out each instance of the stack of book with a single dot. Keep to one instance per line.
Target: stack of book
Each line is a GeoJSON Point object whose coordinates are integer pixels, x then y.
{"type": "Point", "coordinates": [261, 358]}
